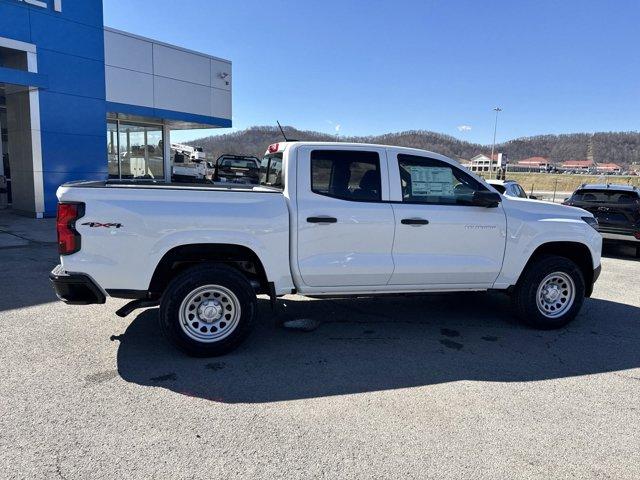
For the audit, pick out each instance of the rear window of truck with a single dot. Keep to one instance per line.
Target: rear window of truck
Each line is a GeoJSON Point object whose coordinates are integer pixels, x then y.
{"type": "Point", "coordinates": [604, 196]}
{"type": "Point", "coordinates": [271, 174]}
{"type": "Point", "coordinates": [233, 163]}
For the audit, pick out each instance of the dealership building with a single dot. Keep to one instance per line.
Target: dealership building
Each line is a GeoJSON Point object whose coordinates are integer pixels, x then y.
{"type": "Point", "coordinates": [81, 101]}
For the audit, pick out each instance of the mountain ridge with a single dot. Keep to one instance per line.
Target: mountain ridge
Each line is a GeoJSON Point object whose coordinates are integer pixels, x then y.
{"type": "Point", "coordinates": [622, 148]}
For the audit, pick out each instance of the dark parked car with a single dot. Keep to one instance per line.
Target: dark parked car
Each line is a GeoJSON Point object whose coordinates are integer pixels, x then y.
{"type": "Point", "coordinates": [617, 209]}
{"type": "Point", "coordinates": [237, 169]}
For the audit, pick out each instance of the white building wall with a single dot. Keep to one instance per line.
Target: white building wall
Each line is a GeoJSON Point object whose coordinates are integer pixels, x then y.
{"type": "Point", "coordinates": [148, 73]}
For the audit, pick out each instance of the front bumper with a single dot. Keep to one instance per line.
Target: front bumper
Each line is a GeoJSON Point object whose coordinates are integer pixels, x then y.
{"type": "Point", "coordinates": [75, 288]}
{"type": "Point", "coordinates": [596, 273]}
{"type": "Point", "coordinates": [594, 279]}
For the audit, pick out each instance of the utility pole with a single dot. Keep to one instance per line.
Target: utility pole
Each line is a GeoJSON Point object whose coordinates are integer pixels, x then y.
{"type": "Point", "coordinates": [493, 147]}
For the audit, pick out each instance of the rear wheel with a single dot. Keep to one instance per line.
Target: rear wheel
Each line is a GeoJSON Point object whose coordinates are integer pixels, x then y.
{"type": "Point", "coordinates": [550, 292]}
{"type": "Point", "coordinates": [208, 310]}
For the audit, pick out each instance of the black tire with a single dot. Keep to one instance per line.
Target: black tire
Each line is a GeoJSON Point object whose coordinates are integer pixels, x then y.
{"type": "Point", "coordinates": [524, 296]}
{"type": "Point", "coordinates": [188, 281]}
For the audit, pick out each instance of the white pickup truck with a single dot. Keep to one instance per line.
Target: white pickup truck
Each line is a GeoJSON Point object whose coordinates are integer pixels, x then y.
{"type": "Point", "coordinates": [328, 219]}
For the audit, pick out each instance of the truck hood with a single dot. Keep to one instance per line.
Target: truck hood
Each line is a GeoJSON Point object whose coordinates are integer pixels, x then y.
{"type": "Point", "coordinates": [543, 208]}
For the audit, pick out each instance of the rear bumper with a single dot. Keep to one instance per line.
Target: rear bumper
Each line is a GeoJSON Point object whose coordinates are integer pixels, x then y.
{"type": "Point", "coordinates": [75, 288]}
{"type": "Point", "coordinates": [618, 237]}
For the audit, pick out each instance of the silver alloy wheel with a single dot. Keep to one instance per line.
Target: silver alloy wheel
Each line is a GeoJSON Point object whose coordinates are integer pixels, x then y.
{"type": "Point", "coordinates": [556, 294]}
{"type": "Point", "coordinates": [210, 313]}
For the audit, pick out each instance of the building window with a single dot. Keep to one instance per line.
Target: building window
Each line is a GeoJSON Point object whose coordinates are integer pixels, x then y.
{"type": "Point", "coordinates": [135, 151]}
{"type": "Point", "coordinates": [112, 150]}
{"type": "Point", "coordinates": [14, 59]}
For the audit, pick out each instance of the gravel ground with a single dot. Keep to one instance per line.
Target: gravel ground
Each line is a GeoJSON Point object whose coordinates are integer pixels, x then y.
{"type": "Point", "coordinates": [443, 386]}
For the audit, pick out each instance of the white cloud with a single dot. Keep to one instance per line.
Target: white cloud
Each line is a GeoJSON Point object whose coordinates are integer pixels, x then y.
{"type": "Point", "coordinates": [464, 128]}
{"type": "Point", "coordinates": [336, 126]}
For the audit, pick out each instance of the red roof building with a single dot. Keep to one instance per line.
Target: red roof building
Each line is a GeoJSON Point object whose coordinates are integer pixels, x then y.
{"type": "Point", "coordinates": [608, 167]}
{"type": "Point", "coordinates": [578, 164]}
{"type": "Point", "coordinates": [534, 162]}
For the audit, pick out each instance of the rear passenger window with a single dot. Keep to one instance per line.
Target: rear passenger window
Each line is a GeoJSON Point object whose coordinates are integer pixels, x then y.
{"type": "Point", "coordinates": [520, 191]}
{"type": "Point", "coordinates": [346, 174]}
{"type": "Point", "coordinates": [604, 196]}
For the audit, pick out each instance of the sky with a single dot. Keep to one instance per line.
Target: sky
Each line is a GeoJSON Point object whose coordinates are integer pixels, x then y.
{"type": "Point", "coordinates": [357, 67]}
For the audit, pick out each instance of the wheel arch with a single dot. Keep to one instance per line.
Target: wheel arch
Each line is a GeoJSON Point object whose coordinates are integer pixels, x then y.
{"type": "Point", "coordinates": [577, 252]}
{"type": "Point", "coordinates": [179, 258]}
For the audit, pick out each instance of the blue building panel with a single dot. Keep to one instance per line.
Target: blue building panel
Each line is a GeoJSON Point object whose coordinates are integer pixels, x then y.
{"type": "Point", "coordinates": [160, 113]}
{"type": "Point", "coordinates": [80, 76]}
{"type": "Point", "coordinates": [75, 153]}
{"type": "Point", "coordinates": [26, 79]}
{"type": "Point", "coordinates": [72, 109]}
{"type": "Point", "coordinates": [14, 21]}
{"type": "Point", "coordinates": [64, 36]}
{"type": "Point", "coordinates": [52, 180]}
{"type": "Point", "coordinates": [88, 12]}
{"type": "Point", "coordinates": [60, 113]}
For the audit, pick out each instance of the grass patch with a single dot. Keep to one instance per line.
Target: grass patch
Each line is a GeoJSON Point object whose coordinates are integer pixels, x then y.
{"type": "Point", "coordinates": [566, 183]}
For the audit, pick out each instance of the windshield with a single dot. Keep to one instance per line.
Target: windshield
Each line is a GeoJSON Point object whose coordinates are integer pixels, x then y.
{"type": "Point", "coordinates": [239, 163]}
{"type": "Point", "coordinates": [271, 174]}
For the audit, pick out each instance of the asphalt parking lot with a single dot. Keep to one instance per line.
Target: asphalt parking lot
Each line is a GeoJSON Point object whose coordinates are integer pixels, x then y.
{"type": "Point", "coordinates": [443, 386]}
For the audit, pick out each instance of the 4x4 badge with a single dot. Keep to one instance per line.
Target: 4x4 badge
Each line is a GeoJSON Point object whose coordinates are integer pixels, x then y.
{"type": "Point", "coordinates": [105, 225]}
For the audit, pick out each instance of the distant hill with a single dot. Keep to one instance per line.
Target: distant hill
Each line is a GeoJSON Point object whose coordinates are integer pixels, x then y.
{"type": "Point", "coordinates": [622, 148]}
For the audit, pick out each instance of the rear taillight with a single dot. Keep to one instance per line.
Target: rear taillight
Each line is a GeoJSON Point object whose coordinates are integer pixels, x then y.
{"type": "Point", "coordinates": [637, 235]}
{"type": "Point", "coordinates": [68, 236]}
{"type": "Point", "coordinates": [273, 148]}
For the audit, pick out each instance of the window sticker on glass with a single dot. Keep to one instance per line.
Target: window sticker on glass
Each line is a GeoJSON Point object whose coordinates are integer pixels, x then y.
{"type": "Point", "coordinates": [426, 181]}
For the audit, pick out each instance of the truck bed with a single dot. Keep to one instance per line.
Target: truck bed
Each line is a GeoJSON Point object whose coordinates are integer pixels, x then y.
{"type": "Point", "coordinates": [128, 227]}
{"type": "Point", "coordinates": [157, 184]}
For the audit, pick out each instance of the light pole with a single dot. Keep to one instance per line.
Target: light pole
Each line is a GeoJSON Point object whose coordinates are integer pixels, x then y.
{"type": "Point", "coordinates": [493, 146]}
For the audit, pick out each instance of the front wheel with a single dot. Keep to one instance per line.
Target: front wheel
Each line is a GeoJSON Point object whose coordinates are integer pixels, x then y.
{"type": "Point", "coordinates": [550, 292]}
{"type": "Point", "coordinates": [208, 310]}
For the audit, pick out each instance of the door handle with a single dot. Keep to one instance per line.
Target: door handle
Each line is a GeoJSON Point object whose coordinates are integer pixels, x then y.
{"type": "Point", "coordinates": [323, 219]}
{"type": "Point", "coordinates": [414, 221]}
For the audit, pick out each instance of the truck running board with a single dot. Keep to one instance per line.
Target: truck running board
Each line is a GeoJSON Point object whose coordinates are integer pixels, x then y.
{"type": "Point", "coordinates": [136, 304]}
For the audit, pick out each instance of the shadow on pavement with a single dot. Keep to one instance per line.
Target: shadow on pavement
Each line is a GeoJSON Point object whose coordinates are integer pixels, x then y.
{"type": "Point", "coordinates": [24, 281]}
{"type": "Point", "coordinates": [620, 250]}
{"type": "Point", "coordinates": [28, 252]}
{"type": "Point", "coordinates": [385, 343]}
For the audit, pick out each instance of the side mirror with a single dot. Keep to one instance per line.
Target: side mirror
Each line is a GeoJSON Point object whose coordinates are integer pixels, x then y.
{"type": "Point", "coordinates": [533, 197]}
{"type": "Point", "coordinates": [486, 199]}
